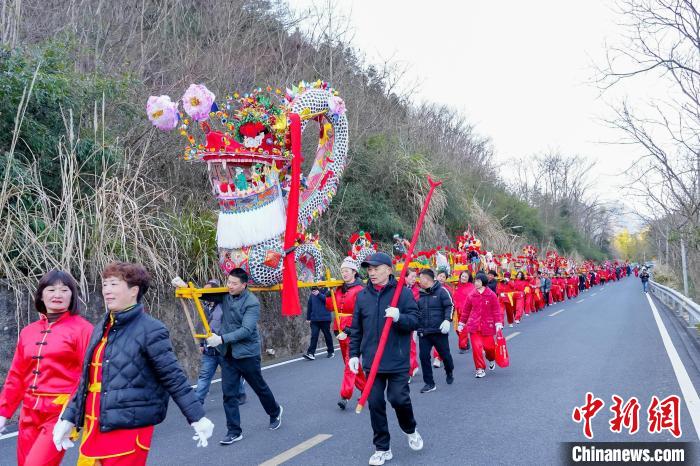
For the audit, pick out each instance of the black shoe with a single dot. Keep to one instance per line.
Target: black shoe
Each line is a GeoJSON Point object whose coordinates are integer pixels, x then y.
{"type": "Point", "coordinates": [342, 403]}
{"type": "Point", "coordinates": [330, 355]}
{"type": "Point", "coordinates": [309, 356]}
{"type": "Point", "coordinates": [428, 388]}
{"type": "Point", "coordinates": [276, 422]}
{"type": "Point", "coordinates": [242, 399]}
{"type": "Point", "coordinates": [450, 378]}
{"type": "Point", "coordinates": [468, 347]}
{"type": "Point", "coordinates": [229, 439]}
{"type": "Point", "coordinates": [462, 351]}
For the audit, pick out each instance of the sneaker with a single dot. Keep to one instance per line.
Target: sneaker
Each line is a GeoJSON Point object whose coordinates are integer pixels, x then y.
{"type": "Point", "coordinates": [436, 363]}
{"type": "Point", "coordinates": [276, 422]}
{"type": "Point", "coordinates": [480, 373]}
{"type": "Point", "coordinates": [309, 356]}
{"type": "Point", "coordinates": [330, 355]}
{"type": "Point", "coordinates": [492, 365]}
{"type": "Point", "coordinates": [428, 388]}
{"type": "Point", "coordinates": [242, 399]}
{"type": "Point", "coordinates": [379, 457]}
{"type": "Point", "coordinates": [510, 325]}
{"type": "Point", "coordinates": [415, 441]}
{"type": "Point", "coordinates": [342, 403]}
{"type": "Point", "coordinates": [410, 379]}
{"type": "Point", "coordinates": [229, 439]}
{"type": "Point", "coordinates": [462, 351]}
{"type": "Point", "coordinates": [450, 378]}
{"type": "Point", "coordinates": [517, 322]}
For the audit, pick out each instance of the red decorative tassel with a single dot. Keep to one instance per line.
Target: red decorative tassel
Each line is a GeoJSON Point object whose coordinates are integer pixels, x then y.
{"type": "Point", "coordinates": [290, 289]}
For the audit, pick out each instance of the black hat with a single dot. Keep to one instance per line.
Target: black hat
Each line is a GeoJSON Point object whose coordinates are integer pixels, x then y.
{"type": "Point", "coordinates": [378, 258]}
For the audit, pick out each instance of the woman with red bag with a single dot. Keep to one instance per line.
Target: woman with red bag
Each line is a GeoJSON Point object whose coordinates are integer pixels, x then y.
{"type": "Point", "coordinates": [464, 288]}
{"type": "Point", "coordinates": [345, 301]}
{"type": "Point", "coordinates": [482, 318]}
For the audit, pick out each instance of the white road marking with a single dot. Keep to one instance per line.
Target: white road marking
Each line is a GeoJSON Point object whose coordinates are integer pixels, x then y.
{"type": "Point", "coordinates": [555, 313]}
{"type": "Point", "coordinates": [297, 450]}
{"type": "Point", "coordinates": [593, 294]}
{"type": "Point", "coordinates": [580, 300]}
{"type": "Point", "coordinates": [692, 401]}
{"type": "Point", "coordinates": [514, 334]}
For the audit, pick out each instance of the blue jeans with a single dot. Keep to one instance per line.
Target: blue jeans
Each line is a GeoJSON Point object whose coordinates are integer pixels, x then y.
{"type": "Point", "coordinates": [645, 286]}
{"type": "Point", "coordinates": [211, 359]}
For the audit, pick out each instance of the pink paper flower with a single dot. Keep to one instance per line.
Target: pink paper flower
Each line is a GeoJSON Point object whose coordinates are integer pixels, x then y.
{"type": "Point", "coordinates": [336, 105]}
{"type": "Point", "coordinates": [162, 112]}
{"type": "Point", "coordinates": [197, 101]}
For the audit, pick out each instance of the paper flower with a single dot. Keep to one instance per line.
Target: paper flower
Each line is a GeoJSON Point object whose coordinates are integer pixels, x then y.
{"type": "Point", "coordinates": [197, 101]}
{"type": "Point", "coordinates": [336, 105]}
{"type": "Point", "coordinates": [162, 112]}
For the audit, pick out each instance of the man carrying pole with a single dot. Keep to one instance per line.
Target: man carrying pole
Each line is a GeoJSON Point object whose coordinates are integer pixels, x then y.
{"type": "Point", "coordinates": [393, 302]}
{"type": "Point", "coordinates": [372, 306]}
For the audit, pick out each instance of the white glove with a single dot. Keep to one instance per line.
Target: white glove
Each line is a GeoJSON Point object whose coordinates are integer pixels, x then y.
{"type": "Point", "coordinates": [392, 312]}
{"type": "Point", "coordinates": [203, 429]}
{"type": "Point", "coordinates": [445, 327]}
{"type": "Point", "coordinates": [460, 327]}
{"type": "Point", "coordinates": [179, 283]}
{"type": "Point", "coordinates": [214, 340]}
{"type": "Point", "coordinates": [342, 336]}
{"type": "Point", "coordinates": [499, 326]}
{"type": "Point", "coordinates": [61, 435]}
{"type": "Point", "coordinates": [354, 365]}
{"type": "Point", "coordinates": [3, 422]}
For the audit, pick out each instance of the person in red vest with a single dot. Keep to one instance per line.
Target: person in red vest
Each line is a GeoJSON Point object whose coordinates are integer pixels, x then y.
{"type": "Point", "coordinates": [345, 301]}
{"type": "Point", "coordinates": [504, 291]}
{"type": "Point", "coordinates": [519, 285]}
{"type": "Point", "coordinates": [45, 368]}
{"type": "Point", "coordinates": [463, 289]}
{"type": "Point", "coordinates": [411, 283]}
{"type": "Point", "coordinates": [130, 374]}
{"type": "Point", "coordinates": [482, 318]}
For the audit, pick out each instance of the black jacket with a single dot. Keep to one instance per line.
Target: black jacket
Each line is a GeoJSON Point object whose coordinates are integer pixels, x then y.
{"type": "Point", "coordinates": [493, 283]}
{"type": "Point", "coordinates": [644, 276]}
{"type": "Point", "coordinates": [139, 374]}
{"type": "Point", "coordinates": [435, 305]}
{"type": "Point", "coordinates": [316, 308]}
{"type": "Point", "coordinates": [239, 323]}
{"type": "Point", "coordinates": [368, 321]}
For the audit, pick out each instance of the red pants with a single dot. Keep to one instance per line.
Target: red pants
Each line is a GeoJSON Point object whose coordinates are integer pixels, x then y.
{"type": "Point", "coordinates": [138, 458]}
{"type": "Point", "coordinates": [350, 380]}
{"type": "Point", "coordinates": [519, 299]}
{"type": "Point", "coordinates": [414, 357]}
{"type": "Point", "coordinates": [507, 308]}
{"type": "Point", "coordinates": [480, 344]}
{"type": "Point", "coordinates": [35, 440]}
{"type": "Point", "coordinates": [529, 303]}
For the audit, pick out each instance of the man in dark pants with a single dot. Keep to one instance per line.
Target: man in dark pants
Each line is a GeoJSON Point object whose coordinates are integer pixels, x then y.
{"type": "Point", "coordinates": [545, 286]}
{"type": "Point", "coordinates": [320, 320]}
{"type": "Point", "coordinates": [239, 344]}
{"type": "Point", "coordinates": [435, 309]}
{"type": "Point", "coordinates": [372, 307]}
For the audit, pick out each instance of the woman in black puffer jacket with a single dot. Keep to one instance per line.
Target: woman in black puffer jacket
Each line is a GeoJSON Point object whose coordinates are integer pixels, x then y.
{"type": "Point", "coordinates": [129, 373]}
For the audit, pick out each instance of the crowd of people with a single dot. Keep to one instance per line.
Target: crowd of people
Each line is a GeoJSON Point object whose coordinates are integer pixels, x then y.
{"type": "Point", "coordinates": [113, 381]}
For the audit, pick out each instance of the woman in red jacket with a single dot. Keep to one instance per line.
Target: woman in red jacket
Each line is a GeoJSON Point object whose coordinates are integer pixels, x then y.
{"type": "Point", "coordinates": [504, 291]}
{"type": "Point", "coordinates": [46, 368]}
{"type": "Point", "coordinates": [520, 286]}
{"type": "Point", "coordinates": [463, 289]}
{"type": "Point", "coordinates": [345, 302]}
{"type": "Point", "coordinates": [482, 318]}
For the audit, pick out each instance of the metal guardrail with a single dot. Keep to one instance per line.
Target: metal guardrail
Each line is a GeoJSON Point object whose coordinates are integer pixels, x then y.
{"type": "Point", "coordinates": [683, 306]}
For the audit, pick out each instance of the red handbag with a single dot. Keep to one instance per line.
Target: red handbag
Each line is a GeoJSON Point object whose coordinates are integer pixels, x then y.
{"type": "Point", "coordinates": [501, 350]}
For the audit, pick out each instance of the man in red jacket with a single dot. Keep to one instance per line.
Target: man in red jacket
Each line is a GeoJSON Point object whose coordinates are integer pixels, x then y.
{"type": "Point", "coordinates": [483, 319]}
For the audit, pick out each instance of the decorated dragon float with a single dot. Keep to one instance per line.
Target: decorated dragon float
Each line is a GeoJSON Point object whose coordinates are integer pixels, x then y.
{"type": "Point", "coordinates": [250, 146]}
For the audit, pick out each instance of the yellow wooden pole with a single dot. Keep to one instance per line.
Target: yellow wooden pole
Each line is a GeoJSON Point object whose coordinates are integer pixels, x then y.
{"type": "Point", "coordinates": [335, 307]}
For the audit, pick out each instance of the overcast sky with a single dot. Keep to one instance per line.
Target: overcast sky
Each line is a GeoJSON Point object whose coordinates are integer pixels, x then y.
{"type": "Point", "coordinates": [520, 71]}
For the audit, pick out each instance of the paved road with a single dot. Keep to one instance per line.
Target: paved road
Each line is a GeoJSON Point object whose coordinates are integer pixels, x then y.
{"type": "Point", "coordinates": [606, 342]}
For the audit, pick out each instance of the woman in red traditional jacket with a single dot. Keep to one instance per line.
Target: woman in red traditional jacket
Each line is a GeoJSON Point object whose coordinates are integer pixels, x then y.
{"type": "Point", "coordinates": [520, 286]}
{"type": "Point", "coordinates": [482, 318]}
{"type": "Point", "coordinates": [45, 369]}
{"type": "Point", "coordinates": [463, 289]}
{"type": "Point", "coordinates": [343, 307]}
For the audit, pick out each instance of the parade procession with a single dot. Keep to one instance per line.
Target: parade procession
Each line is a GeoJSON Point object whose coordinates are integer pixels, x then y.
{"type": "Point", "coordinates": [206, 260]}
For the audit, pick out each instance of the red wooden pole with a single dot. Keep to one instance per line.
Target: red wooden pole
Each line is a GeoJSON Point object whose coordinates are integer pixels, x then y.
{"type": "Point", "coordinates": [395, 298]}
{"type": "Point", "coordinates": [290, 290]}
